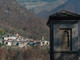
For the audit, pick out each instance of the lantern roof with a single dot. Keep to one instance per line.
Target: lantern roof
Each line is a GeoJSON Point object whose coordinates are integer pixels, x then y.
{"type": "Point", "coordinates": [63, 15]}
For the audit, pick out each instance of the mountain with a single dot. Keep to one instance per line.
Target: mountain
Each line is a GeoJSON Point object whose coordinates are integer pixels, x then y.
{"type": "Point", "coordinates": [37, 6]}
{"type": "Point", "coordinates": [16, 19]}
{"type": "Point", "coordinates": [34, 0]}
{"type": "Point", "coordinates": [70, 5]}
{"type": "Point", "coordinates": [44, 8]}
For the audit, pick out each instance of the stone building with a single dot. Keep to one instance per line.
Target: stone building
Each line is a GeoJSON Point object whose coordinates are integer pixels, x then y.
{"type": "Point", "coordinates": [64, 35]}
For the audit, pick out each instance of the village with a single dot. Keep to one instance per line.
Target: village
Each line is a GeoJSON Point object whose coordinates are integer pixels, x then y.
{"type": "Point", "coordinates": [19, 41]}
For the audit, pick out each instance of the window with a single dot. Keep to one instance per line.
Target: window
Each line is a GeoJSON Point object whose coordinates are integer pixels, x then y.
{"type": "Point", "coordinates": [65, 39]}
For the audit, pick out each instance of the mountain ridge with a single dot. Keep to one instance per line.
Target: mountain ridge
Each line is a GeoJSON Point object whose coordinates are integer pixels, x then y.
{"type": "Point", "coordinates": [70, 5]}
{"type": "Point", "coordinates": [16, 19]}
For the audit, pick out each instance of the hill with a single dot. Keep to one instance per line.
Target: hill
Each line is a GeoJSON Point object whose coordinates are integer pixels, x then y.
{"type": "Point", "coordinates": [38, 6]}
{"type": "Point", "coordinates": [69, 5]}
{"type": "Point", "coordinates": [16, 19]}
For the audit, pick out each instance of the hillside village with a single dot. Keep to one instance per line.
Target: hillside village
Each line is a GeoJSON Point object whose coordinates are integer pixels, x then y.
{"type": "Point", "coordinates": [19, 41]}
